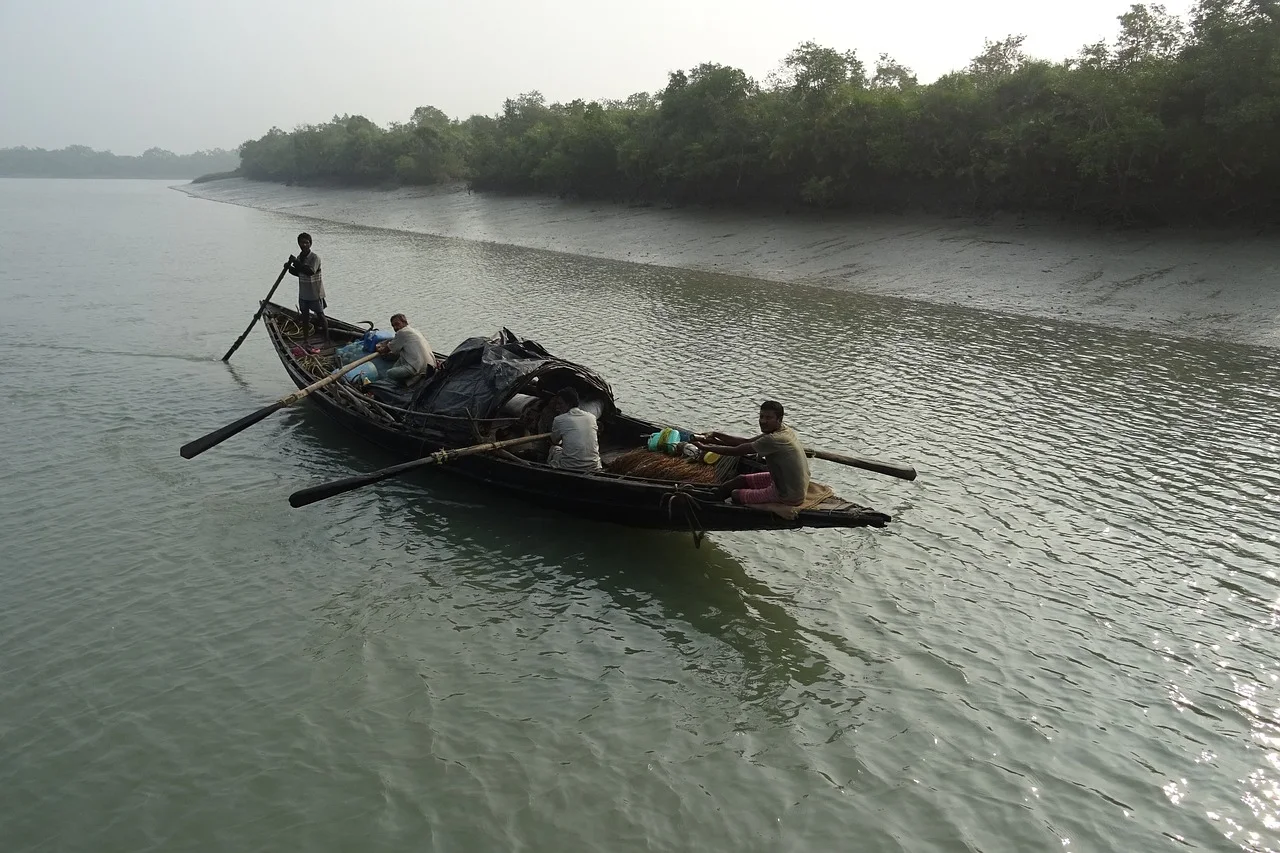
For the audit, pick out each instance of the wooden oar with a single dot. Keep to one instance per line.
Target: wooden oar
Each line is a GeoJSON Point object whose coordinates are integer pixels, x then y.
{"type": "Point", "coordinates": [200, 445]}
{"type": "Point", "coordinates": [904, 472]}
{"type": "Point", "coordinates": [311, 494]}
{"type": "Point", "coordinates": [256, 317]}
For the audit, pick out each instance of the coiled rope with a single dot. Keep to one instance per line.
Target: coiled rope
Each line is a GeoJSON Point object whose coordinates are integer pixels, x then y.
{"type": "Point", "coordinates": [688, 503]}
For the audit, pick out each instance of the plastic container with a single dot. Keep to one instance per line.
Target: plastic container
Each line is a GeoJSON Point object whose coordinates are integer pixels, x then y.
{"type": "Point", "coordinates": [516, 406]}
{"type": "Point", "coordinates": [351, 352]}
{"type": "Point", "coordinates": [359, 375]}
{"type": "Point", "coordinates": [666, 440]}
{"type": "Point", "coordinates": [371, 339]}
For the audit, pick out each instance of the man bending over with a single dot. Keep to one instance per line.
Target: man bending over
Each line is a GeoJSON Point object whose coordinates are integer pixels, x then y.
{"type": "Point", "coordinates": [416, 358]}
{"type": "Point", "coordinates": [575, 435]}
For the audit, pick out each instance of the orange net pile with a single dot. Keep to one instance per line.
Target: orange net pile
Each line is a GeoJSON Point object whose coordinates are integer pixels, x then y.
{"type": "Point", "coordinates": [659, 466]}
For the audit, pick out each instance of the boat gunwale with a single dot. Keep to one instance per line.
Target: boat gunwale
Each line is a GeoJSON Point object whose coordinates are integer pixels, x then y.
{"type": "Point", "coordinates": [853, 516]}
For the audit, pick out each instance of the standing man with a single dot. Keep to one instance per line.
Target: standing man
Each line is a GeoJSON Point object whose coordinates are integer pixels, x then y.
{"type": "Point", "coordinates": [306, 266]}
{"type": "Point", "coordinates": [786, 481]}
{"type": "Point", "coordinates": [415, 355]}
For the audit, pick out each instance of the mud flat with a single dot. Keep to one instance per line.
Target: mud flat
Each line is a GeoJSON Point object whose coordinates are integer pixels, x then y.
{"type": "Point", "coordinates": [1217, 284]}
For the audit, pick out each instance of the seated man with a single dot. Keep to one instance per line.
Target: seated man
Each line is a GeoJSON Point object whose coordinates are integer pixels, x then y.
{"type": "Point", "coordinates": [575, 437]}
{"type": "Point", "coordinates": [416, 358]}
{"type": "Point", "coordinates": [786, 481]}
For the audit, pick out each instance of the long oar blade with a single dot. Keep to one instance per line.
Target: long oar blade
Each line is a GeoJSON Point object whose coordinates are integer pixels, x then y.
{"type": "Point", "coordinates": [903, 472]}
{"type": "Point", "coordinates": [200, 445]}
{"type": "Point", "coordinates": [312, 494]}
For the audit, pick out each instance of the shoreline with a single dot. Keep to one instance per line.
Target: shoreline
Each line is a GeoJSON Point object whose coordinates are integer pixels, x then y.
{"type": "Point", "coordinates": [1201, 283]}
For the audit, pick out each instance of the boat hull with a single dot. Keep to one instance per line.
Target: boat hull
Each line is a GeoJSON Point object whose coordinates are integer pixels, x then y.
{"type": "Point", "coordinates": [600, 497]}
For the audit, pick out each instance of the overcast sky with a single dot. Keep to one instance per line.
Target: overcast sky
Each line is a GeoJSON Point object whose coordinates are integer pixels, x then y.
{"type": "Point", "coordinates": [189, 74]}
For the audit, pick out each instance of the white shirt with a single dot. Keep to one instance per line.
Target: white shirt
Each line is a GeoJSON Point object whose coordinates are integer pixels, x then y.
{"type": "Point", "coordinates": [413, 349]}
{"type": "Point", "coordinates": [579, 439]}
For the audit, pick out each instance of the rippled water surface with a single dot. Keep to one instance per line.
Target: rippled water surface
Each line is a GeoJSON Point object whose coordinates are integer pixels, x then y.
{"type": "Point", "coordinates": [1066, 640]}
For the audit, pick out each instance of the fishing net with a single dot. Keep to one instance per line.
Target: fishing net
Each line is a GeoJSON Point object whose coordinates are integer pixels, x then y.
{"type": "Point", "coordinates": [659, 466]}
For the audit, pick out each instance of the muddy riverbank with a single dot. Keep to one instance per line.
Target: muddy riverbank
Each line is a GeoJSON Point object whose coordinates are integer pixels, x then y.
{"type": "Point", "coordinates": [1188, 282]}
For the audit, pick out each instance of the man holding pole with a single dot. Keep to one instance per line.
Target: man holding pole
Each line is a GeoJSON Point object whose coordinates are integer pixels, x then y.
{"type": "Point", "coordinates": [787, 479]}
{"type": "Point", "coordinates": [306, 266]}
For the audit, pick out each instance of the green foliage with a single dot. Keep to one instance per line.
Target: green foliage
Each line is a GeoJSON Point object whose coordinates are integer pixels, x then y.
{"type": "Point", "coordinates": [1173, 121]}
{"type": "Point", "coordinates": [427, 149]}
{"type": "Point", "coordinates": [892, 74]}
{"type": "Point", "coordinates": [79, 161]}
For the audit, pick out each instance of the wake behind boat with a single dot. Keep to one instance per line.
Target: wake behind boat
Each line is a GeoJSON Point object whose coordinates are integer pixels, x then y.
{"type": "Point", "coordinates": [496, 389]}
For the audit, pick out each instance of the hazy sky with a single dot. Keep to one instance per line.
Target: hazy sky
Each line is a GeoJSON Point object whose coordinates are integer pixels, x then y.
{"type": "Point", "coordinates": [187, 74]}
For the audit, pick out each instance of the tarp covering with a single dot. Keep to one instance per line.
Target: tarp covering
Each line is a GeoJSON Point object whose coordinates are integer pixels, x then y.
{"type": "Point", "coordinates": [482, 373]}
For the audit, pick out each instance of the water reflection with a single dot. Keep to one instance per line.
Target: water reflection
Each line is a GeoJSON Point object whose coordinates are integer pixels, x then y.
{"type": "Point", "coordinates": [700, 601]}
{"type": "Point", "coordinates": [1069, 629]}
{"type": "Point", "coordinates": [1076, 468]}
{"type": "Point", "coordinates": [238, 377]}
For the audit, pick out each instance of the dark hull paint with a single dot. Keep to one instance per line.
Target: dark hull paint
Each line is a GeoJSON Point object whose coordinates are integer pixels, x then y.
{"type": "Point", "coordinates": [631, 502]}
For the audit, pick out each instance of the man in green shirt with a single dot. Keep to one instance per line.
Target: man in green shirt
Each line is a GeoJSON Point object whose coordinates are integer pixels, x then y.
{"type": "Point", "coordinates": [786, 481]}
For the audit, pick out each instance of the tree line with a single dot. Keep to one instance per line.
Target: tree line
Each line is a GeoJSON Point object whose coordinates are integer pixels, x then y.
{"type": "Point", "coordinates": [80, 161]}
{"type": "Point", "coordinates": [1173, 120]}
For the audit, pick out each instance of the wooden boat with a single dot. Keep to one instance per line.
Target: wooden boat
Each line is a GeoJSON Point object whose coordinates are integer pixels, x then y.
{"type": "Point", "coordinates": [476, 396]}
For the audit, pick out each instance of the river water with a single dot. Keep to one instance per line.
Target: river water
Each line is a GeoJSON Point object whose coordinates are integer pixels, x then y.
{"type": "Point", "coordinates": [1065, 641]}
